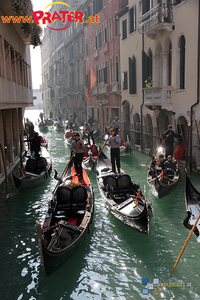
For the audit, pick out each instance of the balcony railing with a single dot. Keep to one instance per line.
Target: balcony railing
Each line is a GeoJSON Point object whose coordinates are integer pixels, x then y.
{"type": "Point", "coordinates": [158, 97]}
{"type": "Point", "coordinates": [157, 19]}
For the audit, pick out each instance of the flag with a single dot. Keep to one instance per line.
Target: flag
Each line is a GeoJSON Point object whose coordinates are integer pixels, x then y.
{"type": "Point", "coordinates": [91, 81]}
{"type": "Point", "coordinates": [178, 152]}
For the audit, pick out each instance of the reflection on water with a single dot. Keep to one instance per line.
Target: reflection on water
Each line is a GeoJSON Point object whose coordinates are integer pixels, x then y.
{"type": "Point", "coordinates": [113, 259]}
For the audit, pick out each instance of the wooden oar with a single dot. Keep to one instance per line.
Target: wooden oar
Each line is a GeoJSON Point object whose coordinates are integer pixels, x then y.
{"type": "Point", "coordinates": [157, 150]}
{"type": "Point", "coordinates": [182, 250]}
{"type": "Point", "coordinates": [69, 162]}
{"type": "Point", "coordinates": [100, 135]}
{"type": "Point", "coordinates": [98, 156]}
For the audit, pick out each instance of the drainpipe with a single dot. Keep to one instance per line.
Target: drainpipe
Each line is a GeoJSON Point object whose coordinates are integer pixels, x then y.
{"type": "Point", "coordinates": [191, 109]}
{"type": "Point", "coordinates": [141, 107]}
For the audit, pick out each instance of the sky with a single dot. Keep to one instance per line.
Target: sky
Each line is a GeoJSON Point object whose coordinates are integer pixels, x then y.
{"type": "Point", "coordinates": [35, 53]}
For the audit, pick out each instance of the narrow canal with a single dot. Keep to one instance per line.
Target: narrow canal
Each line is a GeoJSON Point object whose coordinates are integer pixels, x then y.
{"type": "Point", "coordinates": [114, 259]}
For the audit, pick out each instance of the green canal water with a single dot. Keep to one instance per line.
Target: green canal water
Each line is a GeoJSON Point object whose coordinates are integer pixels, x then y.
{"type": "Point", "coordinates": [114, 261]}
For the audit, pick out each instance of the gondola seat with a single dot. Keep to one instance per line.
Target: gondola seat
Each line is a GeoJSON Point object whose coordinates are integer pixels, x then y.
{"type": "Point", "coordinates": [124, 183]}
{"type": "Point", "coordinates": [31, 165]}
{"type": "Point", "coordinates": [79, 196]}
{"type": "Point", "coordinates": [85, 153]}
{"type": "Point", "coordinates": [63, 198]}
{"type": "Point", "coordinates": [94, 150]}
{"type": "Point", "coordinates": [110, 183]}
{"type": "Point", "coordinates": [41, 164]}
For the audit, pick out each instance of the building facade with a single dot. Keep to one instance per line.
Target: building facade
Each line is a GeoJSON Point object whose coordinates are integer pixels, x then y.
{"type": "Point", "coordinates": [102, 54]}
{"type": "Point", "coordinates": [16, 87]}
{"type": "Point", "coordinates": [63, 69]}
{"type": "Point", "coordinates": [160, 75]}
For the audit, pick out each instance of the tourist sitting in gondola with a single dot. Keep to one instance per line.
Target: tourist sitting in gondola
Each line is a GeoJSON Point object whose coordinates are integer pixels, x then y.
{"type": "Point", "coordinates": [157, 165]}
{"type": "Point", "coordinates": [169, 167]}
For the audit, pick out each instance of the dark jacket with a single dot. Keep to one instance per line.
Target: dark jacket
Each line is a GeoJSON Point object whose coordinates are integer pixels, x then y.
{"type": "Point", "coordinates": [170, 140]}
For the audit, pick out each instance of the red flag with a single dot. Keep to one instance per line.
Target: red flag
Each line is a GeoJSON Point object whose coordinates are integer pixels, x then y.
{"type": "Point", "coordinates": [178, 152]}
{"type": "Point", "coordinates": [91, 81]}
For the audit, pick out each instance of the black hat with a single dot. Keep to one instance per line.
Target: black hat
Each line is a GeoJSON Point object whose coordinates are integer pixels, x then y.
{"type": "Point", "coordinates": [77, 134]}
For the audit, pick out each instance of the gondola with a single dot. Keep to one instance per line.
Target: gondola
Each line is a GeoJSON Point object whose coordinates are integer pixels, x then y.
{"type": "Point", "coordinates": [192, 202]}
{"type": "Point", "coordinates": [69, 136]}
{"type": "Point", "coordinates": [42, 126]}
{"type": "Point", "coordinates": [90, 154]}
{"type": "Point", "coordinates": [58, 125]}
{"type": "Point", "coordinates": [35, 171]}
{"type": "Point", "coordinates": [162, 185]}
{"type": "Point", "coordinates": [125, 199]}
{"type": "Point", "coordinates": [67, 220]}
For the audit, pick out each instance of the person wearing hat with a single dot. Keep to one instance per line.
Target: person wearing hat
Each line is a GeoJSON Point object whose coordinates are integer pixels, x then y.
{"type": "Point", "coordinates": [114, 142]}
{"type": "Point", "coordinates": [115, 123]}
{"type": "Point", "coordinates": [88, 129]}
{"type": "Point", "coordinates": [78, 158]}
{"type": "Point", "coordinates": [169, 135]}
{"type": "Point", "coordinates": [169, 166]}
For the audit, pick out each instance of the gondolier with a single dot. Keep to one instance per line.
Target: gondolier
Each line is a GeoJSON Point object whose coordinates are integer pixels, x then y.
{"type": "Point", "coordinates": [90, 132]}
{"type": "Point", "coordinates": [114, 142]}
{"type": "Point", "coordinates": [115, 124]}
{"type": "Point", "coordinates": [169, 135]}
{"type": "Point", "coordinates": [79, 146]}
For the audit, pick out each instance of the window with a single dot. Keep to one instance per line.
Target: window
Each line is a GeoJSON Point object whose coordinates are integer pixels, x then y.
{"type": "Point", "coordinates": [117, 69]}
{"type": "Point", "coordinates": [110, 28]}
{"type": "Point", "coordinates": [124, 80]}
{"type": "Point", "coordinates": [182, 62]}
{"type": "Point", "coordinates": [146, 5]}
{"type": "Point", "coordinates": [86, 47]}
{"type": "Point", "coordinates": [99, 37]}
{"type": "Point", "coordinates": [96, 46]}
{"type": "Point", "coordinates": [132, 19]}
{"type": "Point", "coordinates": [111, 70]}
{"type": "Point", "coordinates": [132, 75]}
{"type": "Point", "coordinates": [124, 30]}
{"type": "Point", "coordinates": [105, 32]}
{"type": "Point", "coordinates": [106, 73]}
{"type": "Point", "coordinates": [91, 44]}
{"type": "Point", "coordinates": [116, 26]}
{"type": "Point", "coordinates": [104, 3]}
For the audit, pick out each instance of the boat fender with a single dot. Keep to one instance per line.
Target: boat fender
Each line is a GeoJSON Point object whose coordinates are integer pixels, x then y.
{"type": "Point", "coordinates": [161, 176]}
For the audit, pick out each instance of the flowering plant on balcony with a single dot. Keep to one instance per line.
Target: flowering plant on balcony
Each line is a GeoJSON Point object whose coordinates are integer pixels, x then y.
{"type": "Point", "coordinates": [24, 8]}
{"type": "Point", "coordinates": [149, 82]}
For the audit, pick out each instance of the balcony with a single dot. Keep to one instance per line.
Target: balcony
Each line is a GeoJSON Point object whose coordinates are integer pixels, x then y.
{"type": "Point", "coordinates": [105, 48]}
{"type": "Point", "coordinates": [157, 20]}
{"type": "Point", "coordinates": [158, 97]}
{"type": "Point", "coordinates": [96, 53]}
{"type": "Point", "coordinates": [50, 82]}
{"type": "Point", "coordinates": [59, 79]}
{"type": "Point", "coordinates": [100, 89]}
